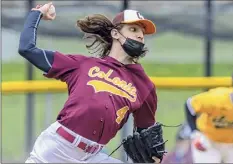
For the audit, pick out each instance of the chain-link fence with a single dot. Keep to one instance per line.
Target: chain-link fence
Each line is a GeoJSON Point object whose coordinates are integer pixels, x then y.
{"type": "Point", "coordinates": [181, 20]}
{"type": "Point", "coordinates": [178, 16]}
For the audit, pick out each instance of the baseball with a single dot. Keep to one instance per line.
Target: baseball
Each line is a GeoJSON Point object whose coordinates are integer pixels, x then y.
{"type": "Point", "coordinates": [52, 10]}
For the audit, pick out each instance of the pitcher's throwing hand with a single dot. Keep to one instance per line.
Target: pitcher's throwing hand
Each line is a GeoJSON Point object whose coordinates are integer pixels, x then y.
{"type": "Point", "coordinates": [48, 11]}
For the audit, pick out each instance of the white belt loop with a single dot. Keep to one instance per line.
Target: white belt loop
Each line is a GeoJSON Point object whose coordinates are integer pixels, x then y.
{"type": "Point", "coordinates": [77, 140]}
{"type": "Point", "coordinates": [99, 148]}
{"type": "Point", "coordinates": [88, 155]}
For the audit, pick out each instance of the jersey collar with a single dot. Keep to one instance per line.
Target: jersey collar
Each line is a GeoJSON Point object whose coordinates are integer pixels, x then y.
{"type": "Point", "coordinates": [128, 66]}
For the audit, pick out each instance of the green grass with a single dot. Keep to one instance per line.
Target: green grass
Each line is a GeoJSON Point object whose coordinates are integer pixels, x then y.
{"type": "Point", "coordinates": [170, 104]}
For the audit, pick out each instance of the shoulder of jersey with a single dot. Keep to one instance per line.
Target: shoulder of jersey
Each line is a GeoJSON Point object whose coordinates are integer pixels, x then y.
{"type": "Point", "coordinates": [78, 56]}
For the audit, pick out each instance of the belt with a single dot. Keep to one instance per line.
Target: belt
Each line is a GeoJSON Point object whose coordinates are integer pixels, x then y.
{"type": "Point", "coordinates": [82, 145]}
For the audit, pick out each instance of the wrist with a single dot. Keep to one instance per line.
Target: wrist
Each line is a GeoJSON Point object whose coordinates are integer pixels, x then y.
{"type": "Point", "coordinates": [33, 19]}
{"type": "Point", "coordinates": [37, 12]}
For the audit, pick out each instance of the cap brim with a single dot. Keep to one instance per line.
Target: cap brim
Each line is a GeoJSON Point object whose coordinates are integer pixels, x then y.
{"type": "Point", "coordinates": [149, 26]}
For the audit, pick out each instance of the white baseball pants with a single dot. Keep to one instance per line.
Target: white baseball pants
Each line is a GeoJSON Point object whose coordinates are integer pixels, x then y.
{"type": "Point", "coordinates": [52, 148]}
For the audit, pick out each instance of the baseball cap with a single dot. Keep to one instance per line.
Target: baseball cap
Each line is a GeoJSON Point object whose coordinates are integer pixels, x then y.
{"type": "Point", "coordinates": [133, 16]}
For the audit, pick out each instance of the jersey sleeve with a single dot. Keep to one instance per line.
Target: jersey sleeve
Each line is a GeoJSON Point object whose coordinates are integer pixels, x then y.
{"type": "Point", "coordinates": [40, 58]}
{"type": "Point", "coordinates": [63, 65]}
{"type": "Point", "coordinates": [144, 117]}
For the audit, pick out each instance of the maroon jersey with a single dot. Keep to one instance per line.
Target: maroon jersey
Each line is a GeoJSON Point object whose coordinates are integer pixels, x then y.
{"type": "Point", "coordinates": [102, 94]}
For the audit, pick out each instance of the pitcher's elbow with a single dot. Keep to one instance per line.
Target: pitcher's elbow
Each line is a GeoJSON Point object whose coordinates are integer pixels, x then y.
{"type": "Point", "coordinates": [23, 50]}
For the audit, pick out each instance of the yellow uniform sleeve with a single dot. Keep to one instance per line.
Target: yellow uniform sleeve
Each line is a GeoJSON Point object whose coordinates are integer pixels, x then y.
{"type": "Point", "coordinates": [212, 100]}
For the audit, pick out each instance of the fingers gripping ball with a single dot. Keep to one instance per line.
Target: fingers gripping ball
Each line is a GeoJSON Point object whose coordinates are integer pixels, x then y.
{"type": "Point", "coordinates": [143, 147]}
{"type": "Point", "coordinates": [52, 11]}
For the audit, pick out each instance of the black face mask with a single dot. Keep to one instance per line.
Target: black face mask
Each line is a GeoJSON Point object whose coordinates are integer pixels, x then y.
{"type": "Point", "coordinates": [133, 48]}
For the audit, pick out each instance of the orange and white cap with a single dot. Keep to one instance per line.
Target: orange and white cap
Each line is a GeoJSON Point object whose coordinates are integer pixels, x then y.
{"type": "Point", "coordinates": [133, 16]}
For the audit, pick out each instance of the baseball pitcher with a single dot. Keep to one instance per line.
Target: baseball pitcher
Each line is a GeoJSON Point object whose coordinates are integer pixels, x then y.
{"type": "Point", "coordinates": [102, 91]}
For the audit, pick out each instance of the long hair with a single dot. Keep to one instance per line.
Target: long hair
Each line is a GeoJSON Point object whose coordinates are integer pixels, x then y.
{"type": "Point", "coordinates": [98, 27]}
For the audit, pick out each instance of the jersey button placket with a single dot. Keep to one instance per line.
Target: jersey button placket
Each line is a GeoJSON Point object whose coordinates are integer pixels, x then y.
{"type": "Point", "coordinates": [101, 128]}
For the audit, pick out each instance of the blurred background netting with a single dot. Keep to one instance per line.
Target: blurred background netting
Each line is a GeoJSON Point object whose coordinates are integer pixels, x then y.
{"type": "Point", "coordinates": [178, 49]}
{"type": "Point", "coordinates": [179, 18]}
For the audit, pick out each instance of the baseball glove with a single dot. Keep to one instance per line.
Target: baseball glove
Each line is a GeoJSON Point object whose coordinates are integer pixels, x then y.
{"type": "Point", "coordinates": [141, 147]}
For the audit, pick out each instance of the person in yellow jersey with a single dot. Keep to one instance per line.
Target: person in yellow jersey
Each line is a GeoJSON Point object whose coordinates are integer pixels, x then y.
{"type": "Point", "coordinates": [210, 116]}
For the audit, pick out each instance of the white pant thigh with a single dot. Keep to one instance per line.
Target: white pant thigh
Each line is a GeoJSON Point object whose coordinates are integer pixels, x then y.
{"type": "Point", "coordinates": [103, 158]}
{"type": "Point", "coordinates": [33, 159]}
{"type": "Point", "coordinates": [52, 148]}
{"type": "Point", "coordinates": [30, 161]}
